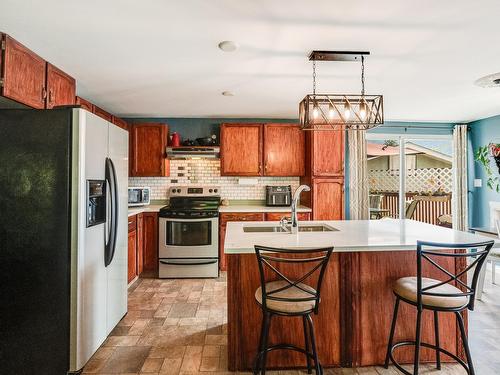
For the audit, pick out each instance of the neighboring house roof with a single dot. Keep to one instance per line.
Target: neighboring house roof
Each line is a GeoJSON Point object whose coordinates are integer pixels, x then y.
{"type": "Point", "coordinates": [375, 150]}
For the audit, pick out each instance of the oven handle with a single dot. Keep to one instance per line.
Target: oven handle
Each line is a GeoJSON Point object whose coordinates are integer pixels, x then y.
{"type": "Point", "coordinates": [189, 220]}
{"type": "Point", "coordinates": [181, 263]}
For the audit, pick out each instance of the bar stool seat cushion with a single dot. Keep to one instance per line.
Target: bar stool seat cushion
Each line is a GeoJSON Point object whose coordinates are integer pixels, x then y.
{"type": "Point", "coordinates": [288, 307]}
{"type": "Point", "coordinates": [406, 288]}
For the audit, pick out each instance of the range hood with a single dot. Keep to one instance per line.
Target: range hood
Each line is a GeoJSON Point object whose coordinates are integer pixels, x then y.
{"type": "Point", "coordinates": [193, 152]}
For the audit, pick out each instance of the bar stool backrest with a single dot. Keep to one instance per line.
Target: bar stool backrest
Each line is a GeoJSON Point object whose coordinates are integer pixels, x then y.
{"type": "Point", "coordinates": [435, 253]}
{"type": "Point", "coordinates": [270, 258]}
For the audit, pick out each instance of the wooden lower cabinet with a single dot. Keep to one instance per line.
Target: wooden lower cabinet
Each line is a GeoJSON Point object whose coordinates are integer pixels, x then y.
{"type": "Point", "coordinates": [223, 220]}
{"type": "Point", "coordinates": [132, 255]}
{"type": "Point", "coordinates": [140, 243]}
{"type": "Point", "coordinates": [150, 242]}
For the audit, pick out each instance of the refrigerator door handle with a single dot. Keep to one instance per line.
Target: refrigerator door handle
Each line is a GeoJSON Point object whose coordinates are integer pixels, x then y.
{"type": "Point", "coordinates": [109, 249]}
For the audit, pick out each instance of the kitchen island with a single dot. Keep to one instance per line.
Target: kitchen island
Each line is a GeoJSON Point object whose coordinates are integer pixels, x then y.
{"type": "Point", "coordinates": [357, 302]}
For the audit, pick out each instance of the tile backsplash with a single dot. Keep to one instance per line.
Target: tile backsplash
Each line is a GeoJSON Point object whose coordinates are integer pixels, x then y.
{"type": "Point", "coordinates": [207, 172]}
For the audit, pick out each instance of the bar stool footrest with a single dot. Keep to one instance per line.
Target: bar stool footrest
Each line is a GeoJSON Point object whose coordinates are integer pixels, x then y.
{"type": "Point", "coordinates": [425, 345]}
{"type": "Point", "coordinates": [284, 346]}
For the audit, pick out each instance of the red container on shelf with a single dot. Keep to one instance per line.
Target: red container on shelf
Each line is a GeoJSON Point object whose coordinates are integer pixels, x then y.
{"type": "Point", "coordinates": [175, 140]}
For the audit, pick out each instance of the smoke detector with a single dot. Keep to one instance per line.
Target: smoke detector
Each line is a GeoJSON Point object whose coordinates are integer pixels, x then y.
{"type": "Point", "coordinates": [492, 80]}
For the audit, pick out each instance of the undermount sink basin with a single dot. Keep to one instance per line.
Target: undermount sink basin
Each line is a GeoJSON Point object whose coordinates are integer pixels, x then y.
{"type": "Point", "coordinates": [279, 229]}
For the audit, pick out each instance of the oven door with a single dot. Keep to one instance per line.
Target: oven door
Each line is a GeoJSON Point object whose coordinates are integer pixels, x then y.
{"type": "Point", "coordinates": [188, 238]}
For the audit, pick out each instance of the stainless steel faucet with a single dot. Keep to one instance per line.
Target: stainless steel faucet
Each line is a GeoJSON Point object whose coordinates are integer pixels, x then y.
{"type": "Point", "coordinates": [295, 203]}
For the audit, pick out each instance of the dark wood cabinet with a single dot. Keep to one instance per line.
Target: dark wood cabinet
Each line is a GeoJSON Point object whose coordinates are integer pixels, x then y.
{"type": "Point", "coordinates": [262, 150]}
{"type": "Point", "coordinates": [147, 150]}
{"type": "Point", "coordinates": [224, 218]}
{"type": "Point", "coordinates": [103, 114]}
{"type": "Point", "coordinates": [150, 242]}
{"type": "Point", "coordinates": [327, 198]}
{"type": "Point", "coordinates": [241, 149]}
{"type": "Point", "coordinates": [132, 248]}
{"type": "Point", "coordinates": [120, 122]}
{"type": "Point", "coordinates": [277, 216]}
{"type": "Point", "coordinates": [85, 104]}
{"type": "Point", "coordinates": [61, 87]}
{"type": "Point", "coordinates": [22, 74]}
{"type": "Point", "coordinates": [326, 153]}
{"type": "Point", "coordinates": [283, 150]}
{"type": "Point", "coordinates": [140, 243]}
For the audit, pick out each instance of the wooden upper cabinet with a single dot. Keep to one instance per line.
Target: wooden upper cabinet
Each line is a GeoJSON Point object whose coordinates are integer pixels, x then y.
{"type": "Point", "coordinates": [284, 146]}
{"type": "Point", "coordinates": [120, 122]}
{"type": "Point", "coordinates": [328, 198]}
{"type": "Point", "coordinates": [85, 104]}
{"type": "Point", "coordinates": [241, 149]}
{"type": "Point", "coordinates": [103, 114]}
{"type": "Point", "coordinates": [61, 87]}
{"type": "Point", "coordinates": [23, 74]}
{"type": "Point", "coordinates": [147, 149]}
{"type": "Point", "coordinates": [326, 153]}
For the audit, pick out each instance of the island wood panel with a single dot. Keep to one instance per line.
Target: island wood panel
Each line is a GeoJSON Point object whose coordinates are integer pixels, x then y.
{"type": "Point", "coordinates": [245, 316]}
{"type": "Point", "coordinates": [23, 73]}
{"type": "Point", "coordinates": [61, 87]}
{"type": "Point", "coordinates": [241, 150]}
{"type": "Point", "coordinates": [372, 294]}
{"type": "Point", "coordinates": [224, 218]}
{"type": "Point", "coordinates": [284, 146]}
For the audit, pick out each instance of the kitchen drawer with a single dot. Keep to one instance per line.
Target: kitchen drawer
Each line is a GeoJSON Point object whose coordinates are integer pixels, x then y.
{"type": "Point", "coordinates": [132, 221]}
{"type": "Point", "coordinates": [254, 216]}
{"type": "Point", "coordinates": [276, 216]}
{"type": "Point", "coordinates": [188, 268]}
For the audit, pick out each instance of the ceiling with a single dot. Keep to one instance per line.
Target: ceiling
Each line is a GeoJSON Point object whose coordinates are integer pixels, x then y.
{"type": "Point", "coordinates": [159, 58]}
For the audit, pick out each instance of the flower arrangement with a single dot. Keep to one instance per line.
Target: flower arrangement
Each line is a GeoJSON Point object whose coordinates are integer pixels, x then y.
{"type": "Point", "coordinates": [482, 156]}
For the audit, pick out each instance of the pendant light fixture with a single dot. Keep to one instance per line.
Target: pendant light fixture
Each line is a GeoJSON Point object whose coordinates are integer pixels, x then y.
{"type": "Point", "coordinates": [340, 111]}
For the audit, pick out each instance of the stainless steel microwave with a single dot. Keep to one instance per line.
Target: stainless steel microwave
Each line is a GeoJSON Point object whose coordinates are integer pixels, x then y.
{"type": "Point", "coordinates": [139, 196]}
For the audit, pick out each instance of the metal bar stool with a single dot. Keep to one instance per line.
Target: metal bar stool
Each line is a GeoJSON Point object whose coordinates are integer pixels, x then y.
{"type": "Point", "coordinates": [284, 296]}
{"type": "Point", "coordinates": [439, 296]}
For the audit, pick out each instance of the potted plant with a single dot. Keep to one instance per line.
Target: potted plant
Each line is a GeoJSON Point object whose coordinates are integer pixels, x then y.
{"type": "Point", "coordinates": [482, 156]}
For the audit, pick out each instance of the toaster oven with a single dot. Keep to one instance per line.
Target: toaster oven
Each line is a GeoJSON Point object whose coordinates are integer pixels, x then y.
{"type": "Point", "coordinates": [277, 196]}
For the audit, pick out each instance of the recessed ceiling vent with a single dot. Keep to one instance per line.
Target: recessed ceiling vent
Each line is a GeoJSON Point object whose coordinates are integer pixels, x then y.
{"type": "Point", "coordinates": [492, 80]}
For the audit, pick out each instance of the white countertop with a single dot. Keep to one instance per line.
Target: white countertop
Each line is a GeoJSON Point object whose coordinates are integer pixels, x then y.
{"type": "Point", "coordinates": [149, 208]}
{"type": "Point", "coordinates": [259, 208]}
{"type": "Point", "coordinates": [352, 235]}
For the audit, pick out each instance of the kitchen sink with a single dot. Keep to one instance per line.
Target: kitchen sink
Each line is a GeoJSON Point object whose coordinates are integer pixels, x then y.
{"type": "Point", "coordinates": [279, 229]}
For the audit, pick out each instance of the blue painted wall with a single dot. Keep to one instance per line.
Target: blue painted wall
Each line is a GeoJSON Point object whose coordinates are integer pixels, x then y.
{"type": "Point", "coordinates": [482, 132]}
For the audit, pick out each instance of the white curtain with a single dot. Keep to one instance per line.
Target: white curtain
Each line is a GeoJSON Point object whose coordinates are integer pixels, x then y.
{"type": "Point", "coordinates": [459, 195]}
{"type": "Point", "coordinates": [358, 175]}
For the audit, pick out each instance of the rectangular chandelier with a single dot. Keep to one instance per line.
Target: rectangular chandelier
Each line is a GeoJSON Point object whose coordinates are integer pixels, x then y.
{"type": "Point", "coordinates": [340, 112]}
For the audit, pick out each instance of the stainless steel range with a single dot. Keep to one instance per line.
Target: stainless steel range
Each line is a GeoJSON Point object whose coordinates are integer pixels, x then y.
{"type": "Point", "coordinates": [189, 233]}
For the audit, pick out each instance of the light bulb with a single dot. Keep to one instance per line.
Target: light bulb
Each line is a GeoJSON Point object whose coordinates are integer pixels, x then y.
{"type": "Point", "coordinates": [331, 112]}
{"type": "Point", "coordinates": [362, 110]}
{"type": "Point", "coordinates": [347, 110]}
{"type": "Point", "coordinates": [315, 111]}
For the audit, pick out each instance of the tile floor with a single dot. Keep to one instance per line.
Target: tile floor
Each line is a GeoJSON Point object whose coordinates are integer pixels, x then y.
{"type": "Point", "coordinates": [180, 327]}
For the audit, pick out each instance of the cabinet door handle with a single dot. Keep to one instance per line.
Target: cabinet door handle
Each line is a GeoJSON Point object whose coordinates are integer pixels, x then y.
{"type": "Point", "coordinates": [44, 93]}
{"type": "Point", "coordinates": [260, 168]}
{"type": "Point", "coordinates": [51, 96]}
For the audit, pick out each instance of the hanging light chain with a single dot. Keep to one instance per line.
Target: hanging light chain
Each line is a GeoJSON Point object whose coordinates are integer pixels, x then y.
{"type": "Point", "coordinates": [362, 75]}
{"type": "Point", "coordinates": [314, 77]}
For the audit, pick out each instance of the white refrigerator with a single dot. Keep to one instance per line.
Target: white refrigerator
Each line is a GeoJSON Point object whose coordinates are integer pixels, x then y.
{"type": "Point", "coordinates": [99, 289]}
{"type": "Point", "coordinates": [63, 237]}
